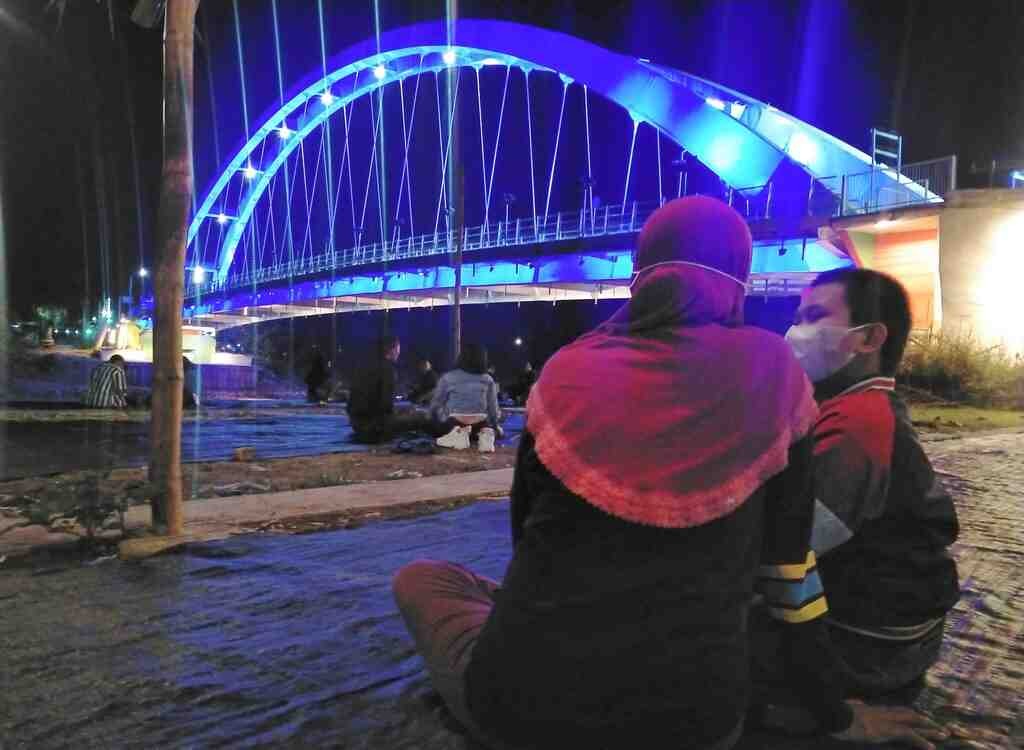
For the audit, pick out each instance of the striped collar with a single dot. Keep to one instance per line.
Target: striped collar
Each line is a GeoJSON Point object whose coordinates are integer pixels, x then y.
{"type": "Point", "coordinates": [876, 383]}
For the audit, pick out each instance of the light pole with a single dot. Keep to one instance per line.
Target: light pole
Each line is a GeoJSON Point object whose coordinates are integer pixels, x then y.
{"type": "Point", "coordinates": [142, 274]}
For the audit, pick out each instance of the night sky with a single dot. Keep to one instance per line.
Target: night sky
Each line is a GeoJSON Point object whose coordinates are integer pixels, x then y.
{"type": "Point", "coordinates": [80, 120]}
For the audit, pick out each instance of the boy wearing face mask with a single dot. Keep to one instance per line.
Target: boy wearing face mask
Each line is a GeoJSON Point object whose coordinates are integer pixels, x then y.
{"type": "Point", "coordinates": [883, 522]}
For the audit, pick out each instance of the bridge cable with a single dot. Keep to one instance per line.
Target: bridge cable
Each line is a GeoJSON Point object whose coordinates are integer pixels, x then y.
{"type": "Point", "coordinates": [554, 155]}
{"type": "Point", "coordinates": [289, 233]}
{"type": "Point", "coordinates": [529, 135]}
{"type": "Point", "coordinates": [448, 146]}
{"type": "Point", "coordinates": [483, 156]}
{"type": "Point", "coordinates": [497, 142]}
{"type": "Point", "coordinates": [405, 180]}
{"type": "Point", "coordinates": [629, 168]}
{"type": "Point", "coordinates": [590, 171]}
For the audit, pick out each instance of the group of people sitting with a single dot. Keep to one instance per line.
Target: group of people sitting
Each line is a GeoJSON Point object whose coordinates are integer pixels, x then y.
{"type": "Point", "coordinates": [108, 387]}
{"type": "Point", "coordinates": [713, 528]}
{"type": "Point", "coordinates": [462, 405]}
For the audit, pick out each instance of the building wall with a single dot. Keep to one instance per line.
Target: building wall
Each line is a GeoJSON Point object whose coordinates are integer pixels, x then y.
{"type": "Point", "coordinates": [910, 257]}
{"type": "Point", "coordinates": [982, 265]}
{"type": "Point", "coordinates": [913, 258]}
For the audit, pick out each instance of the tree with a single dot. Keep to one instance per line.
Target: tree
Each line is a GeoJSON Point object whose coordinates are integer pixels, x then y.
{"type": "Point", "coordinates": [171, 232]}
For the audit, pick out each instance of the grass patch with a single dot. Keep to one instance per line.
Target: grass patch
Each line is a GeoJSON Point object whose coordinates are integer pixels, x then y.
{"type": "Point", "coordinates": [945, 418]}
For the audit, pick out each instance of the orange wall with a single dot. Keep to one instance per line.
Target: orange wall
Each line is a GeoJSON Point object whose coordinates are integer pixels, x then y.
{"type": "Point", "coordinates": [913, 259]}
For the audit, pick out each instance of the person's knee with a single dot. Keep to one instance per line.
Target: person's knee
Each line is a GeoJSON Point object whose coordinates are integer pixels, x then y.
{"type": "Point", "coordinates": [409, 581]}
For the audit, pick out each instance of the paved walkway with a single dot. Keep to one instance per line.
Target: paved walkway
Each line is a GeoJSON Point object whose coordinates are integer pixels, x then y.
{"type": "Point", "coordinates": [218, 518]}
{"type": "Point", "coordinates": [294, 641]}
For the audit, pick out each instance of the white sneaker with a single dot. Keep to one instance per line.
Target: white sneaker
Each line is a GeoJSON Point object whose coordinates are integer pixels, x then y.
{"type": "Point", "coordinates": [458, 439]}
{"type": "Point", "coordinates": [485, 440]}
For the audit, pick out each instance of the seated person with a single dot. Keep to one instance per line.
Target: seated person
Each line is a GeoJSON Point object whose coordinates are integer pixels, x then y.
{"type": "Point", "coordinates": [883, 523]}
{"type": "Point", "coordinates": [422, 393]}
{"type": "Point", "coordinates": [108, 386]}
{"type": "Point", "coordinates": [665, 455]}
{"type": "Point", "coordinates": [371, 401]}
{"type": "Point", "coordinates": [519, 390]}
{"type": "Point", "coordinates": [465, 403]}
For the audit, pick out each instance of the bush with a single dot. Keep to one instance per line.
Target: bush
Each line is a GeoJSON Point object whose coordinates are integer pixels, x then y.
{"type": "Point", "coordinates": [959, 367]}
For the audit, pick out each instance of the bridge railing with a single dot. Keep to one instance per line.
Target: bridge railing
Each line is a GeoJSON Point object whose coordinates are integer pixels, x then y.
{"type": "Point", "coordinates": [621, 218]}
{"type": "Point", "coordinates": [843, 195]}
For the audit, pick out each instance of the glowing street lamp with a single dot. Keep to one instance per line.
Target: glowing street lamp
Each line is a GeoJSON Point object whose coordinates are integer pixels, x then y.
{"type": "Point", "coordinates": [250, 172]}
{"type": "Point", "coordinates": [518, 341]}
{"type": "Point", "coordinates": [448, 57]}
{"type": "Point", "coordinates": [380, 72]}
{"type": "Point", "coordinates": [327, 98]}
{"type": "Point", "coordinates": [283, 132]}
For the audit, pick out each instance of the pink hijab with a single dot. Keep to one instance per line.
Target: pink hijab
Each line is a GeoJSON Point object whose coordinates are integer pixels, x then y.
{"type": "Point", "coordinates": [673, 413]}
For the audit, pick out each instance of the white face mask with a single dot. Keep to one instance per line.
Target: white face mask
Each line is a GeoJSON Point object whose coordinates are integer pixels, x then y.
{"type": "Point", "coordinates": [819, 348]}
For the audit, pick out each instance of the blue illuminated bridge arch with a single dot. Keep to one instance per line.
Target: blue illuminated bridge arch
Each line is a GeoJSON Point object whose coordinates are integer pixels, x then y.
{"type": "Point", "coordinates": [742, 140]}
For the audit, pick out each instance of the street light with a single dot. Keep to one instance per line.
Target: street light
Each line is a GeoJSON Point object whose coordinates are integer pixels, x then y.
{"type": "Point", "coordinates": [142, 273]}
{"type": "Point", "coordinates": [518, 341]}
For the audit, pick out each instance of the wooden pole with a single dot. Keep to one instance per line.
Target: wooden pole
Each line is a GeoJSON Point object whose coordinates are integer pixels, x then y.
{"type": "Point", "coordinates": [168, 278]}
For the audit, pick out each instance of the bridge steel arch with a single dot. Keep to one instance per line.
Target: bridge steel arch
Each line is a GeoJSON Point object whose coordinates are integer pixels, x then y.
{"type": "Point", "coordinates": [738, 137]}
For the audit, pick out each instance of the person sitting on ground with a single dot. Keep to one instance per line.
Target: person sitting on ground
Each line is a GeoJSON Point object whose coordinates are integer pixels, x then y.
{"type": "Point", "coordinates": [520, 389]}
{"type": "Point", "coordinates": [108, 386]}
{"type": "Point", "coordinates": [465, 403]}
{"type": "Point", "coordinates": [316, 378]}
{"type": "Point", "coordinates": [883, 522]}
{"type": "Point", "coordinates": [423, 392]}
{"type": "Point", "coordinates": [189, 384]}
{"type": "Point", "coordinates": [371, 401]}
{"type": "Point", "coordinates": [665, 456]}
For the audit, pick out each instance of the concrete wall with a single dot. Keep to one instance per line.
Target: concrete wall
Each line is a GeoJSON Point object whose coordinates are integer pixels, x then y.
{"type": "Point", "coordinates": [981, 264]}
{"type": "Point", "coordinates": [913, 258]}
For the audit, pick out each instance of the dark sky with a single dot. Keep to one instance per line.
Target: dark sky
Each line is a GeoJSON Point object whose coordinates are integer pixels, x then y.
{"type": "Point", "coordinates": [80, 120]}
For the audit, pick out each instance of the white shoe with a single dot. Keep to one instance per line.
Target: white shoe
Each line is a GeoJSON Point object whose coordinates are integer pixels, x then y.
{"type": "Point", "coordinates": [485, 440]}
{"type": "Point", "coordinates": [458, 439]}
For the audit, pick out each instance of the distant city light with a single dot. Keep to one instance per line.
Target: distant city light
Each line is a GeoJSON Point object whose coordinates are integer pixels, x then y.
{"type": "Point", "coordinates": [283, 132]}
{"type": "Point", "coordinates": [448, 57]}
{"type": "Point", "coordinates": [380, 72]}
{"type": "Point", "coordinates": [143, 273]}
{"type": "Point", "coordinates": [249, 172]}
{"type": "Point", "coordinates": [327, 98]}
{"type": "Point", "coordinates": [518, 341]}
{"type": "Point", "coordinates": [802, 149]}
{"type": "Point", "coordinates": [198, 275]}
{"type": "Point", "coordinates": [712, 101]}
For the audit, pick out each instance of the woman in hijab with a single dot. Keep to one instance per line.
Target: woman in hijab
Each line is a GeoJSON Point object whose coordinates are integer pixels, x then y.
{"type": "Point", "coordinates": [663, 469]}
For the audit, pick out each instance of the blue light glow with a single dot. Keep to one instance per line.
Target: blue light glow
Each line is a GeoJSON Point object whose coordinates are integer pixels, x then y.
{"type": "Point", "coordinates": [490, 61]}
{"type": "Point", "coordinates": [715, 102]}
{"type": "Point", "coordinates": [250, 172]}
{"type": "Point", "coordinates": [448, 57]}
{"type": "Point", "coordinates": [198, 275]}
{"type": "Point", "coordinates": [380, 72]}
{"type": "Point", "coordinates": [802, 149]}
{"type": "Point", "coordinates": [736, 109]}
{"type": "Point", "coordinates": [283, 132]}
{"type": "Point", "coordinates": [327, 98]}
{"type": "Point", "coordinates": [222, 218]}
{"type": "Point", "coordinates": [724, 153]}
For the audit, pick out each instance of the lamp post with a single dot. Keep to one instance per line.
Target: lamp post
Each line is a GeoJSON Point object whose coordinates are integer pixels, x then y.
{"type": "Point", "coordinates": [142, 273]}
